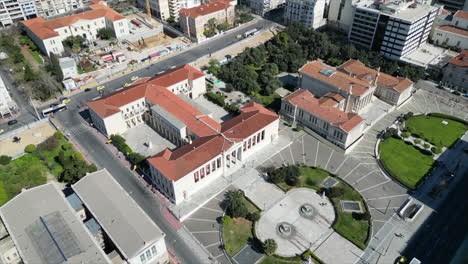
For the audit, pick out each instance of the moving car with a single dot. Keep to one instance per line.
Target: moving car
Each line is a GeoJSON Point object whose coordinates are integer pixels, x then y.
{"type": "Point", "coordinates": [134, 78]}
{"type": "Point", "coordinates": [87, 90]}
{"type": "Point", "coordinates": [127, 84]}
{"type": "Point", "coordinates": [100, 87]}
{"type": "Point", "coordinates": [12, 122]}
{"type": "Point", "coordinates": [64, 100]}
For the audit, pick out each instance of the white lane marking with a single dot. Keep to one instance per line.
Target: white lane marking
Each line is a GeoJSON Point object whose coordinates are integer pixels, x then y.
{"type": "Point", "coordinates": [372, 208]}
{"type": "Point", "coordinates": [222, 254]}
{"type": "Point", "coordinates": [211, 209]}
{"type": "Point", "coordinates": [303, 150]}
{"type": "Point", "coordinates": [374, 186]}
{"type": "Point", "coordinates": [316, 153]}
{"type": "Point", "coordinates": [339, 167]}
{"type": "Point", "coordinates": [205, 220]}
{"type": "Point", "coordinates": [292, 157]}
{"type": "Point", "coordinates": [365, 176]}
{"type": "Point", "coordinates": [381, 221]}
{"type": "Point", "coordinates": [387, 197]}
{"type": "Point", "coordinates": [204, 232]}
{"type": "Point", "coordinates": [351, 171]}
{"type": "Point", "coordinates": [214, 244]}
{"type": "Point", "coordinates": [331, 154]}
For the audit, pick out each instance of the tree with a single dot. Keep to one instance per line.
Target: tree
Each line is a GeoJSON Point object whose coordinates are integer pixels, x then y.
{"type": "Point", "coordinates": [54, 67]}
{"type": "Point", "coordinates": [223, 26]}
{"type": "Point", "coordinates": [4, 159]}
{"type": "Point", "coordinates": [255, 216]}
{"type": "Point", "coordinates": [105, 33]}
{"type": "Point", "coordinates": [277, 176]}
{"type": "Point", "coordinates": [30, 148]}
{"type": "Point", "coordinates": [269, 247]}
{"type": "Point", "coordinates": [361, 216]}
{"type": "Point", "coordinates": [212, 23]}
{"type": "Point", "coordinates": [334, 192]}
{"type": "Point", "coordinates": [136, 158]}
{"type": "Point", "coordinates": [235, 204]}
{"type": "Point", "coordinates": [213, 66]}
{"type": "Point", "coordinates": [28, 74]}
{"type": "Point", "coordinates": [51, 143]}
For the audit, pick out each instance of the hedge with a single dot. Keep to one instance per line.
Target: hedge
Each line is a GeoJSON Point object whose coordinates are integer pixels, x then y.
{"type": "Point", "coordinates": [215, 98]}
{"type": "Point", "coordinates": [448, 117]}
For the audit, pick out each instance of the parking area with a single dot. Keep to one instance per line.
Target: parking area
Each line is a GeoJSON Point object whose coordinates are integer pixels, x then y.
{"type": "Point", "coordinates": [205, 226]}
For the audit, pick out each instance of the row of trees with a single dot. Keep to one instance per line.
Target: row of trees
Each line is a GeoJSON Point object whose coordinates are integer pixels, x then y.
{"type": "Point", "coordinates": [255, 69]}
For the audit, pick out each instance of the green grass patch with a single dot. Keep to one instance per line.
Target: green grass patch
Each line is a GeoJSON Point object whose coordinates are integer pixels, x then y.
{"type": "Point", "coordinates": [267, 100]}
{"type": "Point", "coordinates": [432, 129]}
{"type": "Point", "coordinates": [274, 260]}
{"type": "Point", "coordinates": [36, 55]}
{"type": "Point", "coordinates": [354, 230]}
{"type": "Point", "coordinates": [404, 162]}
{"type": "Point", "coordinates": [3, 194]}
{"type": "Point", "coordinates": [236, 234]}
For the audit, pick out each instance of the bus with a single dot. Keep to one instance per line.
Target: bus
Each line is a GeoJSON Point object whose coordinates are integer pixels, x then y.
{"type": "Point", "coordinates": [52, 110]}
{"type": "Point", "coordinates": [250, 33]}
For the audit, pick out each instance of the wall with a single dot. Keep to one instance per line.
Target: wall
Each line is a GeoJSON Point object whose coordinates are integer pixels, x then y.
{"type": "Point", "coordinates": [456, 76]}
{"type": "Point", "coordinates": [198, 87]}
{"type": "Point", "coordinates": [451, 39]}
{"type": "Point", "coordinates": [160, 256]}
{"type": "Point", "coordinates": [115, 124]}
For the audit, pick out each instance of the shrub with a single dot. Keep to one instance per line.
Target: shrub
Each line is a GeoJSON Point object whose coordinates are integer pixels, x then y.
{"type": "Point", "coordinates": [269, 247]}
{"type": "Point", "coordinates": [417, 141]}
{"type": "Point", "coordinates": [334, 192]}
{"type": "Point", "coordinates": [277, 176]}
{"type": "Point", "coordinates": [4, 160]}
{"type": "Point", "coordinates": [255, 216]}
{"type": "Point", "coordinates": [426, 152]}
{"type": "Point", "coordinates": [436, 150]}
{"type": "Point", "coordinates": [299, 128]}
{"type": "Point", "coordinates": [215, 98]}
{"type": "Point", "coordinates": [30, 148]}
{"type": "Point", "coordinates": [231, 108]}
{"type": "Point", "coordinates": [135, 157]}
{"type": "Point", "coordinates": [235, 204]}
{"type": "Point", "coordinates": [389, 133]}
{"type": "Point", "coordinates": [58, 135]}
{"type": "Point", "coordinates": [226, 220]}
{"type": "Point", "coordinates": [426, 146]}
{"type": "Point", "coordinates": [119, 142]}
{"type": "Point", "coordinates": [405, 134]}
{"type": "Point", "coordinates": [67, 146]}
{"type": "Point", "coordinates": [77, 156]}
{"type": "Point", "coordinates": [49, 144]}
{"type": "Point", "coordinates": [361, 216]}
{"type": "Point", "coordinates": [290, 123]}
{"type": "Point", "coordinates": [292, 181]}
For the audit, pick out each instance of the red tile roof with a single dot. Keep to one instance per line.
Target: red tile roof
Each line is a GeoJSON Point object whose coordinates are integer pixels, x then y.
{"type": "Point", "coordinates": [44, 29]}
{"type": "Point", "coordinates": [338, 79]}
{"type": "Point", "coordinates": [331, 99]}
{"type": "Point", "coordinates": [461, 14]}
{"type": "Point", "coordinates": [454, 30]}
{"type": "Point", "coordinates": [177, 75]}
{"type": "Point", "coordinates": [204, 9]}
{"type": "Point", "coordinates": [461, 60]}
{"type": "Point", "coordinates": [306, 101]}
{"type": "Point", "coordinates": [367, 74]}
{"type": "Point", "coordinates": [195, 120]}
{"type": "Point", "coordinates": [178, 163]}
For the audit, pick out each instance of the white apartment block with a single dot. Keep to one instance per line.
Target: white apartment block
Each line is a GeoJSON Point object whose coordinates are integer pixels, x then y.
{"type": "Point", "coordinates": [394, 28]}
{"type": "Point", "coordinates": [453, 33]}
{"type": "Point", "coordinates": [57, 7]}
{"type": "Point", "coordinates": [456, 72]}
{"type": "Point", "coordinates": [260, 7]}
{"type": "Point", "coordinates": [13, 11]}
{"type": "Point", "coordinates": [6, 102]}
{"type": "Point", "coordinates": [49, 34]}
{"type": "Point", "coordinates": [454, 5]}
{"type": "Point", "coordinates": [311, 13]}
{"type": "Point", "coordinates": [165, 9]}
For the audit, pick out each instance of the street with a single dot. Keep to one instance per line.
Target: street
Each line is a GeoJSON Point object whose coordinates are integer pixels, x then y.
{"type": "Point", "coordinates": [186, 249]}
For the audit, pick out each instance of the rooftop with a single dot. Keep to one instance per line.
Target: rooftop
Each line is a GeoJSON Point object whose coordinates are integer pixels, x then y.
{"type": "Point", "coordinates": [364, 73]}
{"type": "Point", "coordinates": [204, 9]}
{"type": "Point", "coordinates": [178, 163]}
{"type": "Point", "coordinates": [306, 100]}
{"type": "Point", "coordinates": [45, 29]}
{"type": "Point", "coordinates": [330, 75]}
{"type": "Point", "coordinates": [461, 60]}
{"type": "Point", "coordinates": [461, 14]}
{"type": "Point", "coordinates": [45, 228]}
{"type": "Point", "coordinates": [401, 9]}
{"type": "Point", "coordinates": [128, 226]}
{"type": "Point", "coordinates": [454, 30]}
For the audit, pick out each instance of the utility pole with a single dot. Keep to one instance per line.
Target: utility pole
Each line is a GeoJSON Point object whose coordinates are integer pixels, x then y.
{"type": "Point", "coordinates": [34, 107]}
{"type": "Point", "coordinates": [148, 10]}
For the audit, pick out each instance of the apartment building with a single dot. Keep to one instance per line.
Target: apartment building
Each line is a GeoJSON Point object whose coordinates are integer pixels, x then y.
{"type": "Point", "coordinates": [6, 102]}
{"type": "Point", "coordinates": [49, 34]}
{"type": "Point", "coordinates": [185, 171]}
{"type": "Point", "coordinates": [456, 72]}
{"type": "Point", "coordinates": [310, 13]}
{"type": "Point", "coordinates": [45, 229]}
{"type": "Point", "coordinates": [13, 11]}
{"type": "Point", "coordinates": [194, 21]}
{"type": "Point", "coordinates": [57, 7]}
{"type": "Point", "coordinates": [260, 7]}
{"type": "Point", "coordinates": [165, 9]}
{"type": "Point", "coordinates": [454, 5]}
{"type": "Point", "coordinates": [128, 228]}
{"type": "Point", "coordinates": [453, 31]}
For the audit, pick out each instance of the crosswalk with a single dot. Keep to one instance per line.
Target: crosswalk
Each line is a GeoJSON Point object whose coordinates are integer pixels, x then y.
{"type": "Point", "coordinates": [77, 129]}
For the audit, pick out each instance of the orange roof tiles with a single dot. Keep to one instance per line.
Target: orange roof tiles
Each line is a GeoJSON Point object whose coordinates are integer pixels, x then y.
{"type": "Point", "coordinates": [177, 75]}
{"type": "Point", "coordinates": [455, 30]}
{"type": "Point", "coordinates": [338, 79]}
{"type": "Point", "coordinates": [178, 163]}
{"type": "Point", "coordinates": [367, 74]}
{"type": "Point", "coordinates": [194, 119]}
{"type": "Point", "coordinates": [461, 60]}
{"type": "Point", "coordinates": [461, 14]}
{"type": "Point", "coordinates": [306, 101]}
{"type": "Point", "coordinates": [44, 29]}
{"type": "Point", "coordinates": [204, 9]}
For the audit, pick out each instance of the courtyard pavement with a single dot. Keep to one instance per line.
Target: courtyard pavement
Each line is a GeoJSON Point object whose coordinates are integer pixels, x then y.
{"type": "Point", "coordinates": [146, 141]}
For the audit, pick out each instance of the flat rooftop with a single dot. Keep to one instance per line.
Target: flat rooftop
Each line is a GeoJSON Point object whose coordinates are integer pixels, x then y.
{"type": "Point", "coordinates": [429, 56]}
{"type": "Point", "coordinates": [45, 228]}
{"type": "Point", "coordinates": [410, 11]}
{"type": "Point", "coordinates": [129, 227]}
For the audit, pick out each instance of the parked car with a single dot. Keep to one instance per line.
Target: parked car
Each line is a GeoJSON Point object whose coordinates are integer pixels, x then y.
{"type": "Point", "coordinates": [64, 100]}
{"type": "Point", "coordinates": [100, 87]}
{"type": "Point", "coordinates": [53, 105]}
{"type": "Point", "coordinates": [12, 122]}
{"type": "Point", "coordinates": [87, 90]}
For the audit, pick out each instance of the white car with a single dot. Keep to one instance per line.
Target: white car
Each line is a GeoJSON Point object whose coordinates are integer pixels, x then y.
{"type": "Point", "coordinates": [134, 78]}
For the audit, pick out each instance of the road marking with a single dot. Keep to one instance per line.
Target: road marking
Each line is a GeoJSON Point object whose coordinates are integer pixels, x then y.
{"type": "Point", "coordinates": [211, 209]}
{"type": "Point", "coordinates": [222, 254]}
{"type": "Point", "coordinates": [217, 199]}
{"type": "Point", "coordinates": [351, 171]}
{"type": "Point", "coordinates": [282, 158]}
{"type": "Point", "coordinates": [374, 186]}
{"type": "Point", "coordinates": [339, 167]}
{"type": "Point", "coordinates": [386, 197]}
{"type": "Point", "coordinates": [381, 221]}
{"type": "Point", "coordinates": [205, 220]}
{"type": "Point", "coordinates": [214, 244]}
{"type": "Point", "coordinates": [438, 106]}
{"type": "Point", "coordinates": [303, 150]}
{"type": "Point", "coordinates": [364, 139]}
{"type": "Point", "coordinates": [331, 154]}
{"type": "Point", "coordinates": [316, 153]}
{"type": "Point", "coordinates": [203, 232]}
{"type": "Point", "coordinates": [365, 176]}
{"type": "Point", "coordinates": [360, 152]}
{"type": "Point", "coordinates": [292, 157]}
{"type": "Point", "coordinates": [372, 208]}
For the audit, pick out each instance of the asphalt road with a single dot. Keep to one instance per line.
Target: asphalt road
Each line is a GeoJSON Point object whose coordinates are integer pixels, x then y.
{"type": "Point", "coordinates": [438, 239]}
{"type": "Point", "coordinates": [94, 147]}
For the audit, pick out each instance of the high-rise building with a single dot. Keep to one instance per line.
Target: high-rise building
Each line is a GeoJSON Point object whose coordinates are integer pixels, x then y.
{"type": "Point", "coordinates": [262, 6]}
{"type": "Point", "coordinates": [12, 11]}
{"type": "Point", "coordinates": [308, 12]}
{"type": "Point", "coordinates": [395, 28]}
{"type": "Point", "coordinates": [454, 5]}
{"type": "Point", "coordinates": [165, 9]}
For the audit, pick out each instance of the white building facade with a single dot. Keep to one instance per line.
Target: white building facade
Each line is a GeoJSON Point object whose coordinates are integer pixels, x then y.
{"type": "Point", "coordinates": [454, 33]}
{"type": "Point", "coordinates": [13, 11]}
{"type": "Point", "coordinates": [7, 105]}
{"type": "Point", "coordinates": [310, 13]}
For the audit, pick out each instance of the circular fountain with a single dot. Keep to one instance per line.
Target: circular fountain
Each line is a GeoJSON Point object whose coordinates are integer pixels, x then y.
{"type": "Point", "coordinates": [307, 211]}
{"type": "Point", "coordinates": [285, 230]}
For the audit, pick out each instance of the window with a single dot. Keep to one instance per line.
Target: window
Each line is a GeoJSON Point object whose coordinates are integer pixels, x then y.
{"type": "Point", "coordinates": [213, 166]}
{"type": "Point", "coordinates": [153, 250]}
{"type": "Point", "coordinates": [195, 176]}
{"type": "Point", "coordinates": [219, 162]}
{"type": "Point", "coordinates": [148, 254]}
{"type": "Point", "coordinates": [254, 140]}
{"type": "Point", "coordinates": [65, 31]}
{"type": "Point", "coordinates": [258, 137]}
{"type": "Point", "coordinates": [245, 146]}
{"type": "Point", "coordinates": [250, 141]}
{"type": "Point", "coordinates": [263, 134]}
{"type": "Point", "coordinates": [208, 169]}
{"type": "Point", "coordinates": [143, 258]}
{"type": "Point", "coordinates": [202, 172]}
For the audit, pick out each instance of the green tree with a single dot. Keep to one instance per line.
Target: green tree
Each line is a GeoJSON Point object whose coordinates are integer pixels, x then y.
{"type": "Point", "coordinates": [136, 158]}
{"type": "Point", "coordinates": [223, 26]}
{"type": "Point", "coordinates": [235, 204]}
{"type": "Point", "coordinates": [30, 148]}
{"type": "Point", "coordinates": [269, 247]}
{"type": "Point", "coordinates": [212, 23]}
{"type": "Point", "coordinates": [4, 159]}
{"type": "Point", "coordinates": [334, 192]}
{"type": "Point", "coordinates": [255, 216]}
{"type": "Point", "coordinates": [54, 67]}
{"type": "Point", "coordinates": [105, 33]}
{"type": "Point", "coordinates": [29, 74]}
{"type": "Point", "coordinates": [277, 176]}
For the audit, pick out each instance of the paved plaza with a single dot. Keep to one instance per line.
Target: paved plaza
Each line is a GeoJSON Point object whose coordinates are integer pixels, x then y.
{"type": "Point", "coordinates": [144, 140]}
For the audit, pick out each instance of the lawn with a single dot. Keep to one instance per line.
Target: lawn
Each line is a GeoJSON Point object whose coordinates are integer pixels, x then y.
{"type": "Point", "coordinates": [404, 162]}
{"type": "Point", "coordinates": [237, 233]}
{"type": "Point", "coordinates": [432, 129]}
{"type": "Point", "coordinates": [36, 55]}
{"type": "Point", "coordinates": [354, 230]}
{"type": "Point", "coordinates": [273, 260]}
